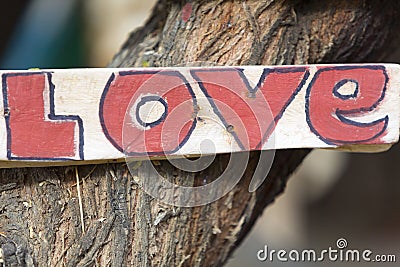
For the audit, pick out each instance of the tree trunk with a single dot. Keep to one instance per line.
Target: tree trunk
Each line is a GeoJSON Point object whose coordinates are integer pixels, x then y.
{"type": "Point", "coordinates": [40, 216]}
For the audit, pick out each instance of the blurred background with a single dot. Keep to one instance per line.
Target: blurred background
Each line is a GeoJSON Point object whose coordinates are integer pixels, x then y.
{"type": "Point", "coordinates": [333, 195]}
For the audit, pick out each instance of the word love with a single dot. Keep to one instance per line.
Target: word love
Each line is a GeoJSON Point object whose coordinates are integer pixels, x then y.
{"type": "Point", "coordinates": [107, 114]}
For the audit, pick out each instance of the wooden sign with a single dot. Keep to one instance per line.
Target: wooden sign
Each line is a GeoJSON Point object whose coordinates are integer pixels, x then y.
{"type": "Point", "coordinates": [52, 117]}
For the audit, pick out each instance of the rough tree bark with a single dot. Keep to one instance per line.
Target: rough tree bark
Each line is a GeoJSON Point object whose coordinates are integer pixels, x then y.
{"type": "Point", "coordinates": [39, 209]}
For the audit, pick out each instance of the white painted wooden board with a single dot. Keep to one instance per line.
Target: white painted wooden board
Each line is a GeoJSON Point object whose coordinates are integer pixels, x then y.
{"type": "Point", "coordinates": [72, 116]}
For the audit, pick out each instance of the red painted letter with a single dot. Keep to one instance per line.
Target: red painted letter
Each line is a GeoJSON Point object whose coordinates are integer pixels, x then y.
{"type": "Point", "coordinates": [337, 95]}
{"type": "Point", "coordinates": [136, 105]}
{"type": "Point", "coordinates": [251, 112]}
{"type": "Point", "coordinates": [33, 130]}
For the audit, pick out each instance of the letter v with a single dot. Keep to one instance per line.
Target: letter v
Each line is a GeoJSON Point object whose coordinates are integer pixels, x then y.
{"type": "Point", "coordinates": [250, 114]}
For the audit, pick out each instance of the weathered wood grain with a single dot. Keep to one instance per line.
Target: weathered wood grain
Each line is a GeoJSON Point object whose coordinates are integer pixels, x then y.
{"type": "Point", "coordinates": [40, 214]}
{"type": "Point", "coordinates": [53, 117]}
